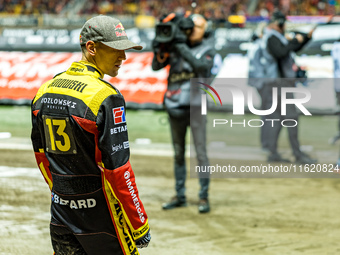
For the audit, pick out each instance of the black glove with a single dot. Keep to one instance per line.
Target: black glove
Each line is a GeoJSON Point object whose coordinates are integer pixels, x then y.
{"type": "Point", "coordinates": [144, 241]}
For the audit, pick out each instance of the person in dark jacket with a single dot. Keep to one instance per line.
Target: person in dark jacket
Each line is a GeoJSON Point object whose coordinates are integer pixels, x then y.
{"type": "Point", "coordinates": [190, 57]}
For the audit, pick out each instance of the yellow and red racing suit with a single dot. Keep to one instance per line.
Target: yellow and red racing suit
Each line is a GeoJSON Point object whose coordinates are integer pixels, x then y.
{"type": "Point", "coordinates": [81, 146]}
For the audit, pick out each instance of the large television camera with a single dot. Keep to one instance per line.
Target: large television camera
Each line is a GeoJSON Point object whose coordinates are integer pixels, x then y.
{"type": "Point", "coordinates": [172, 29]}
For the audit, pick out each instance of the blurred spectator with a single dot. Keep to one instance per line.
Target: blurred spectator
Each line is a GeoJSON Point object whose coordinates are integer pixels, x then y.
{"type": "Point", "coordinates": [281, 72]}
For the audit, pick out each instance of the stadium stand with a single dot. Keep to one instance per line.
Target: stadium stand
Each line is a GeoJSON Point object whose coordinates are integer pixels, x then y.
{"type": "Point", "coordinates": [216, 10]}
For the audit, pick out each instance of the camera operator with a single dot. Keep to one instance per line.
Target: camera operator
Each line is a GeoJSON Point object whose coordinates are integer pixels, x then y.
{"type": "Point", "coordinates": [189, 56]}
{"type": "Point", "coordinates": [279, 63]}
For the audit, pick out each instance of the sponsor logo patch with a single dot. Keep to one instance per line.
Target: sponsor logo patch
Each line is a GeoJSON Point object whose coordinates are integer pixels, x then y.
{"type": "Point", "coordinates": [126, 145]}
{"type": "Point", "coordinates": [119, 30]}
{"type": "Point", "coordinates": [119, 26]}
{"type": "Point", "coordinates": [116, 148]}
{"type": "Point", "coordinates": [119, 115]}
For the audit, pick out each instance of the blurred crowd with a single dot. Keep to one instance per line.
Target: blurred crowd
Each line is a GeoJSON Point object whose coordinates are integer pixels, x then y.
{"type": "Point", "coordinates": [28, 7]}
{"type": "Point", "coordinates": [213, 9]}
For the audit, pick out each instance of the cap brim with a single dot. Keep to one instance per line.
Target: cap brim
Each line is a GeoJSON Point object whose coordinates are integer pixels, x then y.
{"type": "Point", "coordinates": [123, 45]}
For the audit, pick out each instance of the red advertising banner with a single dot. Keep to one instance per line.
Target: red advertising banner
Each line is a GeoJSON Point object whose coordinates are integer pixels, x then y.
{"type": "Point", "coordinates": [22, 73]}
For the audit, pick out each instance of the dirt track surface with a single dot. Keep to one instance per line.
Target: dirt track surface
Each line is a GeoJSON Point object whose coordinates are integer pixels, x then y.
{"type": "Point", "coordinates": [249, 216]}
